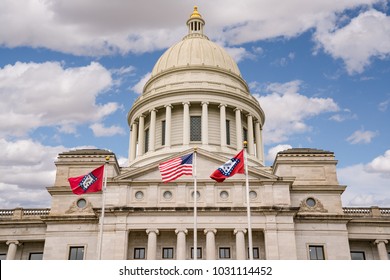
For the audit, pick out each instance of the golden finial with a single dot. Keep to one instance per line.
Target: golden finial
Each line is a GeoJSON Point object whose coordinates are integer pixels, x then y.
{"type": "Point", "coordinates": [195, 13]}
{"type": "Point", "coordinates": [245, 144]}
{"type": "Point", "coordinates": [107, 159]}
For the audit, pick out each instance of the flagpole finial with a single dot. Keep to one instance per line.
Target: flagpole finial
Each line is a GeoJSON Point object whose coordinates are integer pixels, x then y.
{"type": "Point", "coordinates": [245, 144]}
{"type": "Point", "coordinates": [195, 149]}
{"type": "Point", "coordinates": [107, 159]}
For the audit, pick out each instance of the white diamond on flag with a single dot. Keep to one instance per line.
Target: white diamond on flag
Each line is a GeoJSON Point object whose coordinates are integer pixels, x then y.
{"type": "Point", "coordinates": [87, 181]}
{"type": "Point", "coordinates": [229, 166]}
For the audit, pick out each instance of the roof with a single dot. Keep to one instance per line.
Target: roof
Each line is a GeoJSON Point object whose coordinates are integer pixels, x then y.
{"type": "Point", "coordinates": [88, 152]}
{"type": "Point", "coordinates": [304, 151]}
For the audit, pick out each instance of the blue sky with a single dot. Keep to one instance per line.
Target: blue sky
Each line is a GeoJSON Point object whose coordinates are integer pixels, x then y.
{"type": "Point", "coordinates": [70, 71]}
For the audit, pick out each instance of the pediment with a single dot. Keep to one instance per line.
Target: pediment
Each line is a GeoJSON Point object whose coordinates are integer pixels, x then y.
{"type": "Point", "coordinates": [206, 163]}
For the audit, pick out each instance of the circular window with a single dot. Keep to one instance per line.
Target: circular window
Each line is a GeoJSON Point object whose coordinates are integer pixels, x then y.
{"type": "Point", "coordinates": [224, 194]}
{"type": "Point", "coordinates": [167, 195]}
{"type": "Point", "coordinates": [81, 203]}
{"type": "Point", "coordinates": [311, 202]}
{"type": "Point", "coordinates": [139, 195]}
{"type": "Point", "coordinates": [252, 195]}
{"type": "Point", "coordinates": [197, 195]}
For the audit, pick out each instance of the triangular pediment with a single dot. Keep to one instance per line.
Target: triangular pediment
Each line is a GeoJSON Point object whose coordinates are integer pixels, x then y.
{"type": "Point", "coordinates": [206, 163]}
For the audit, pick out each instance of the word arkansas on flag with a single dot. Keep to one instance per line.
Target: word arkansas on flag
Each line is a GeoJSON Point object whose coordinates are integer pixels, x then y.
{"type": "Point", "coordinates": [91, 182]}
{"type": "Point", "coordinates": [229, 168]}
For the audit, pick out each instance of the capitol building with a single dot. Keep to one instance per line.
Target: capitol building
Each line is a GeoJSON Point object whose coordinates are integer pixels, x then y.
{"type": "Point", "coordinates": [197, 99]}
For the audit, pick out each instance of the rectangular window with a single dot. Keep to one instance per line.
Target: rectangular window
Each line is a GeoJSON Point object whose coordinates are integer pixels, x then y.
{"type": "Point", "coordinates": [245, 134]}
{"type": "Point", "coordinates": [196, 128]}
{"type": "Point", "coordinates": [316, 252]}
{"type": "Point", "coordinates": [256, 254]}
{"type": "Point", "coordinates": [146, 140]}
{"type": "Point", "coordinates": [35, 256]}
{"type": "Point", "coordinates": [227, 132]}
{"type": "Point", "coordinates": [224, 253]}
{"type": "Point", "coordinates": [167, 253]}
{"type": "Point", "coordinates": [76, 253]}
{"type": "Point", "coordinates": [139, 253]}
{"type": "Point", "coordinates": [199, 253]}
{"type": "Point", "coordinates": [3, 257]}
{"type": "Point", "coordinates": [163, 133]}
{"type": "Point", "coordinates": [358, 255]}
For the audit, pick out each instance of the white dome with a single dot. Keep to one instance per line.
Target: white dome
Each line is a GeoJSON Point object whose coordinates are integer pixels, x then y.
{"type": "Point", "coordinates": [196, 50]}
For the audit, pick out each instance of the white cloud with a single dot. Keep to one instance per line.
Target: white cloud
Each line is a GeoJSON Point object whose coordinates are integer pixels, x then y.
{"type": "Point", "coordinates": [96, 27]}
{"type": "Point", "coordinates": [363, 188]}
{"type": "Point", "coordinates": [26, 169]}
{"type": "Point", "coordinates": [272, 152]}
{"type": "Point", "coordinates": [139, 87]}
{"type": "Point", "coordinates": [47, 94]}
{"type": "Point", "coordinates": [364, 37]}
{"type": "Point", "coordinates": [287, 110]}
{"type": "Point", "coordinates": [384, 105]}
{"type": "Point", "coordinates": [380, 164]}
{"type": "Point", "coordinates": [362, 136]}
{"type": "Point", "coordinates": [99, 130]}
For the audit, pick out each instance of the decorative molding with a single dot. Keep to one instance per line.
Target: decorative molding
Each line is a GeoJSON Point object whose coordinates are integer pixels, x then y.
{"type": "Point", "coordinates": [318, 207]}
{"type": "Point", "coordinates": [75, 210]}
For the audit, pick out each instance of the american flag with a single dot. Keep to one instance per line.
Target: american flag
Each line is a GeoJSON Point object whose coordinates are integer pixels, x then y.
{"type": "Point", "coordinates": [174, 168]}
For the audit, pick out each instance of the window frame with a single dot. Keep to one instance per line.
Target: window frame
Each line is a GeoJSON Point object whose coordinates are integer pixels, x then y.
{"type": "Point", "coordinates": [146, 140]}
{"type": "Point", "coordinates": [316, 247]}
{"type": "Point", "coordinates": [222, 253]}
{"type": "Point", "coordinates": [137, 253]}
{"type": "Point", "coordinates": [169, 251]}
{"type": "Point", "coordinates": [256, 253]}
{"type": "Point", "coordinates": [196, 137]}
{"type": "Point", "coordinates": [77, 254]}
{"type": "Point", "coordinates": [199, 254]}
{"type": "Point", "coordinates": [163, 127]}
{"type": "Point", "coordinates": [3, 255]}
{"type": "Point", "coordinates": [358, 252]}
{"type": "Point", "coordinates": [228, 140]}
{"type": "Point", "coordinates": [35, 253]}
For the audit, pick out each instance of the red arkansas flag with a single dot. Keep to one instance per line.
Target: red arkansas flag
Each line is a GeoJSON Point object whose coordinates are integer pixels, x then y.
{"type": "Point", "coordinates": [92, 182]}
{"type": "Point", "coordinates": [229, 168]}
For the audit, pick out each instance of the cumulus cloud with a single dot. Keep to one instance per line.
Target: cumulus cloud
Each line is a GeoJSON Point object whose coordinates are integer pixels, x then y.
{"type": "Point", "coordinates": [364, 188]}
{"type": "Point", "coordinates": [363, 38]}
{"type": "Point", "coordinates": [47, 94]}
{"type": "Point", "coordinates": [99, 130]}
{"type": "Point", "coordinates": [287, 110]}
{"type": "Point", "coordinates": [380, 165]}
{"type": "Point", "coordinates": [272, 152]}
{"type": "Point", "coordinates": [96, 27]}
{"type": "Point", "coordinates": [139, 87]}
{"type": "Point", "coordinates": [362, 136]}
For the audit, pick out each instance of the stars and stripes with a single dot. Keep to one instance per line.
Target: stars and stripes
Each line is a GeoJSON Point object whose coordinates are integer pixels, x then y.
{"type": "Point", "coordinates": [174, 168]}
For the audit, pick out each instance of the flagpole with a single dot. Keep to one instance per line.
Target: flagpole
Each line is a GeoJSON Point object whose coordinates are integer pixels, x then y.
{"type": "Point", "coordinates": [248, 207]}
{"type": "Point", "coordinates": [103, 209]}
{"type": "Point", "coordinates": [195, 253]}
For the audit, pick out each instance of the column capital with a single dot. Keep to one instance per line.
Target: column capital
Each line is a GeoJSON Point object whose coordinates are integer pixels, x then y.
{"type": "Point", "coordinates": [207, 230]}
{"type": "Point", "coordinates": [205, 103]}
{"type": "Point", "coordinates": [380, 241]}
{"type": "Point", "coordinates": [15, 242]}
{"type": "Point", "coordinates": [168, 105]}
{"type": "Point", "coordinates": [141, 116]}
{"type": "Point", "coordinates": [237, 109]}
{"type": "Point", "coordinates": [152, 230]}
{"type": "Point", "coordinates": [153, 110]}
{"type": "Point", "coordinates": [222, 105]}
{"type": "Point", "coordinates": [249, 115]}
{"type": "Point", "coordinates": [237, 230]}
{"type": "Point", "coordinates": [177, 231]}
{"type": "Point", "coordinates": [186, 103]}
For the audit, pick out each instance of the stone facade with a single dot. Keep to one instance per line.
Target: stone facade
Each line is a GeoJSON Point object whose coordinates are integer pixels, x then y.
{"type": "Point", "coordinates": [197, 100]}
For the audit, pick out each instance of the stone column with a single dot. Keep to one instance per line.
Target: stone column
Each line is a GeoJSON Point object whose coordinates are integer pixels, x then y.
{"type": "Point", "coordinates": [168, 124]}
{"type": "Point", "coordinates": [240, 243]}
{"type": "Point", "coordinates": [141, 135]}
{"type": "Point", "coordinates": [181, 244]}
{"type": "Point", "coordinates": [133, 143]}
{"type": "Point", "coordinates": [382, 251]}
{"type": "Point", "coordinates": [12, 247]}
{"type": "Point", "coordinates": [205, 123]}
{"type": "Point", "coordinates": [152, 244]}
{"type": "Point", "coordinates": [250, 135]}
{"type": "Point", "coordinates": [259, 142]}
{"type": "Point", "coordinates": [210, 243]}
{"type": "Point", "coordinates": [239, 129]}
{"type": "Point", "coordinates": [222, 117]}
{"type": "Point", "coordinates": [186, 123]}
{"type": "Point", "coordinates": [152, 130]}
